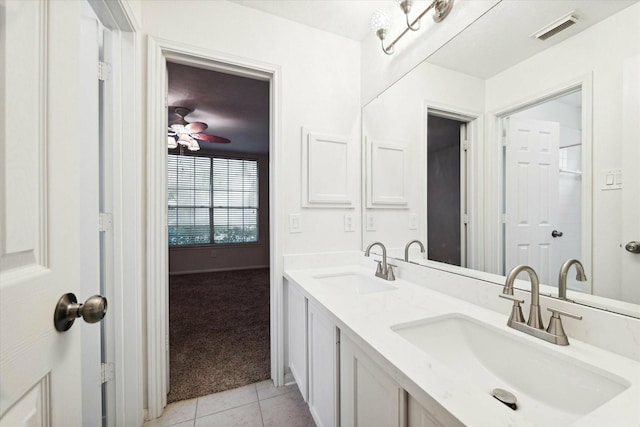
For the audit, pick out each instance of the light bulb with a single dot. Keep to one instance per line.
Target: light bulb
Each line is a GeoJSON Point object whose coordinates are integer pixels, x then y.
{"type": "Point", "coordinates": [193, 145]}
{"type": "Point", "coordinates": [171, 142]}
{"type": "Point", "coordinates": [177, 127]}
{"type": "Point", "coordinates": [184, 139]}
{"type": "Point", "coordinates": [381, 20]}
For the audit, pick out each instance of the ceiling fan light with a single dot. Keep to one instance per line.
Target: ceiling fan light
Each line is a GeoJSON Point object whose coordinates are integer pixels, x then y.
{"type": "Point", "coordinates": [171, 142]}
{"type": "Point", "coordinates": [177, 127]}
{"type": "Point", "coordinates": [185, 139]}
{"type": "Point", "coordinates": [193, 145]}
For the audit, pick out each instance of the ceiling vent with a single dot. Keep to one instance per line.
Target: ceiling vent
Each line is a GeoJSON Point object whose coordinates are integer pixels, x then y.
{"type": "Point", "coordinates": [556, 26]}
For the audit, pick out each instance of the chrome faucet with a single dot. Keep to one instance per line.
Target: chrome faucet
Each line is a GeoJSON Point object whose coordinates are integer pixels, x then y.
{"type": "Point", "coordinates": [384, 270]}
{"type": "Point", "coordinates": [562, 279]}
{"type": "Point", "coordinates": [535, 319]}
{"type": "Point", "coordinates": [555, 332]}
{"type": "Point", "coordinates": [406, 248]}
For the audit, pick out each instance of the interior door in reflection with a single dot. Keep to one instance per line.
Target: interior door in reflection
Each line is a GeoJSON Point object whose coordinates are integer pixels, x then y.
{"type": "Point", "coordinates": [446, 207]}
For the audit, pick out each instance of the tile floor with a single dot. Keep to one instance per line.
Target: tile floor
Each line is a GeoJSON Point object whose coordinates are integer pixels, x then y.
{"type": "Point", "coordinates": [255, 405]}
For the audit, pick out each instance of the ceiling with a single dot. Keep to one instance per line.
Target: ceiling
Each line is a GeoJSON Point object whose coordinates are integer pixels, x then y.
{"type": "Point", "coordinates": [237, 108]}
{"type": "Point", "coordinates": [348, 18]}
{"type": "Point", "coordinates": [234, 107]}
{"type": "Point", "coordinates": [503, 36]}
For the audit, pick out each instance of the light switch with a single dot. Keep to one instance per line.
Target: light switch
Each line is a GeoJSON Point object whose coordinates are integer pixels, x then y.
{"type": "Point", "coordinates": [349, 223]}
{"type": "Point", "coordinates": [295, 223]}
{"type": "Point", "coordinates": [612, 179]}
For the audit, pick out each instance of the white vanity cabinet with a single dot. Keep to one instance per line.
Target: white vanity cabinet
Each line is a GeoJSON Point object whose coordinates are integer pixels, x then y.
{"type": "Point", "coordinates": [313, 355]}
{"type": "Point", "coordinates": [323, 337]}
{"type": "Point", "coordinates": [297, 336]}
{"type": "Point", "coordinates": [418, 416]}
{"type": "Point", "coordinates": [369, 397]}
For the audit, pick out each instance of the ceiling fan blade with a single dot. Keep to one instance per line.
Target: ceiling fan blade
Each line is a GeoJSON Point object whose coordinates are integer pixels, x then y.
{"type": "Point", "coordinates": [196, 127]}
{"type": "Point", "coordinates": [210, 138]}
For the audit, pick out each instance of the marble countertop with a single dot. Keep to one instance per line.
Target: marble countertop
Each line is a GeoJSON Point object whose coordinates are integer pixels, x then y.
{"type": "Point", "coordinates": [367, 319]}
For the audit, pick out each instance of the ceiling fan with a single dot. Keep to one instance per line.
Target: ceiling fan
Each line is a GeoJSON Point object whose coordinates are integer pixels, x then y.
{"type": "Point", "coordinates": [186, 134]}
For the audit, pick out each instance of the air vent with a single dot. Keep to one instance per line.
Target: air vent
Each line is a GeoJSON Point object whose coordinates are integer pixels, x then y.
{"type": "Point", "coordinates": [556, 26]}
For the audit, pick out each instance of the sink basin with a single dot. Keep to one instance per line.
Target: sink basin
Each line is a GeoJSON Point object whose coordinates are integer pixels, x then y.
{"type": "Point", "coordinates": [357, 282]}
{"type": "Point", "coordinates": [551, 388]}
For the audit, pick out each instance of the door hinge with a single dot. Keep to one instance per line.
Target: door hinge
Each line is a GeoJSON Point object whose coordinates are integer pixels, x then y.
{"type": "Point", "coordinates": [504, 218]}
{"type": "Point", "coordinates": [104, 71]}
{"type": "Point", "coordinates": [465, 219]}
{"type": "Point", "coordinates": [465, 145]}
{"type": "Point", "coordinates": [105, 221]}
{"type": "Point", "coordinates": [106, 372]}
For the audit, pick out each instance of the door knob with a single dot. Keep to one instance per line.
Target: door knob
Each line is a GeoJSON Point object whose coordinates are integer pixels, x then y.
{"type": "Point", "coordinates": [556, 233]}
{"type": "Point", "coordinates": [68, 310]}
{"type": "Point", "coordinates": [633, 247]}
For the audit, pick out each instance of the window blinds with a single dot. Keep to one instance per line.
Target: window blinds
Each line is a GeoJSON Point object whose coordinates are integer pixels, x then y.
{"type": "Point", "coordinates": [212, 200]}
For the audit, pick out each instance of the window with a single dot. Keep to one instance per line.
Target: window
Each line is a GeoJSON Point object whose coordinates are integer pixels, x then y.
{"type": "Point", "coordinates": [212, 200]}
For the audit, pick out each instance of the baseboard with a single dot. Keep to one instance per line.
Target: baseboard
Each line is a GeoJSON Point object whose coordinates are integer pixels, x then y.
{"type": "Point", "coordinates": [288, 377]}
{"type": "Point", "coordinates": [214, 270]}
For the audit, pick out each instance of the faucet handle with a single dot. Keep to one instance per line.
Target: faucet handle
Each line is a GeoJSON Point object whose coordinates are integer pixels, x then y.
{"type": "Point", "coordinates": [515, 300]}
{"type": "Point", "coordinates": [379, 268]}
{"type": "Point", "coordinates": [557, 313]}
{"type": "Point", "coordinates": [516, 310]}
{"type": "Point", "coordinates": [390, 274]}
{"type": "Point", "coordinates": [555, 326]}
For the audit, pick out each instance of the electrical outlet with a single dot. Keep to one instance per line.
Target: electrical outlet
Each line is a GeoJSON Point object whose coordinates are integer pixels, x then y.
{"type": "Point", "coordinates": [348, 223]}
{"type": "Point", "coordinates": [413, 221]}
{"type": "Point", "coordinates": [295, 223]}
{"type": "Point", "coordinates": [371, 222]}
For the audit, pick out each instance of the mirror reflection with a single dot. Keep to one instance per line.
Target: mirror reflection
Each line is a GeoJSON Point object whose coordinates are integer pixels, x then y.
{"type": "Point", "coordinates": [504, 149]}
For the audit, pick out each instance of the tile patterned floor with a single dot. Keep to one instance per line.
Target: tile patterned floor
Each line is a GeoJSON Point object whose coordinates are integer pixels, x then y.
{"type": "Point", "coordinates": [255, 405]}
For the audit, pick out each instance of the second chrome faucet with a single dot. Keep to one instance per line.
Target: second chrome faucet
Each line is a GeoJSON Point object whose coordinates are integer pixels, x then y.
{"type": "Point", "coordinates": [554, 333]}
{"type": "Point", "coordinates": [384, 270]}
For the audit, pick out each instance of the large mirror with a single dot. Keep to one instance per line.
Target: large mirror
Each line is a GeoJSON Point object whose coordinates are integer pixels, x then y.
{"type": "Point", "coordinates": [516, 143]}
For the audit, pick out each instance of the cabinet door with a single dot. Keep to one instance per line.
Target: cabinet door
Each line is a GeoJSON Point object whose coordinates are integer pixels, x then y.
{"type": "Point", "coordinates": [323, 367]}
{"type": "Point", "coordinates": [419, 417]}
{"type": "Point", "coordinates": [297, 336]}
{"type": "Point", "coordinates": [368, 396]}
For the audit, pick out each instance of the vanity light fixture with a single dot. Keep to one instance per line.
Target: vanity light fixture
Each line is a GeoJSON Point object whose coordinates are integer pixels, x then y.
{"type": "Point", "coordinates": [381, 20]}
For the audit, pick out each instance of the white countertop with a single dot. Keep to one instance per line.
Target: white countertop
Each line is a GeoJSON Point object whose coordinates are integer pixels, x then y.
{"type": "Point", "coordinates": [367, 319]}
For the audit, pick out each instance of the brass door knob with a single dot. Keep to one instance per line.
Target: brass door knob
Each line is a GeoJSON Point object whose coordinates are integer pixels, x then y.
{"type": "Point", "coordinates": [68, 310]}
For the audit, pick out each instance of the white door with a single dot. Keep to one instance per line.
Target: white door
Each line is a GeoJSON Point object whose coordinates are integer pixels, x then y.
{"type": "Point", "coordinates": [531, 196]}
{"type": "Point", "coordinates": [42, 211]}
{"type": "Point", "coordinates": [631, 180]}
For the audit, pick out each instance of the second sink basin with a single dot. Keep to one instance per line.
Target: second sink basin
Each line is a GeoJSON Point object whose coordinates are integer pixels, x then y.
{"type": "Point", "coordinates": [361, 284]}
{"type": "Point", "coordinates": [551, 388]}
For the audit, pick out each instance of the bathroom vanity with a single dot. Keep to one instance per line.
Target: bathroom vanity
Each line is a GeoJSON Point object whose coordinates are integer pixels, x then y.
{"type": "Point", "coordinates": [371, 352]}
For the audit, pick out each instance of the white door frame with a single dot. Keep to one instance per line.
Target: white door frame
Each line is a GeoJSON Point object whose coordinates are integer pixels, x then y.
{"type": "Point", "coordinates": [123, 201]}
{"type": "Point", "coordinates": [159, 52]}
{"type": "Point", "coordinates": [494, 159]}
{"type": "Point", "coordinates": [474, 168]}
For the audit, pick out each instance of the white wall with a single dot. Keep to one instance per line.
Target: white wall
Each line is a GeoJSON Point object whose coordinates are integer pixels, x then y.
{"type": "Point", "coordinates": [599, 51]}
{"type": "Point", "coordinates": [320, 89]}
{"type": "Point", "coordinates": [384, 120]}
{"type": "Point", "coordinates": [379, 70]}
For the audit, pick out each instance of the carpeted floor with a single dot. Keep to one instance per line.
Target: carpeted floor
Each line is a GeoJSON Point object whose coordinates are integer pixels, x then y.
{"type": "Point", "coordinates": [218, 331]}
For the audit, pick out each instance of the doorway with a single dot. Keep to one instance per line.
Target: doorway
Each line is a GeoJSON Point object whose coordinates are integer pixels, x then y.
{"type": "Point", "coordinates": [543, 186]}
{"type": "Point", "coordinates": [218, 231]}
{"type": "Point", "coordinates": [446, 190]}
